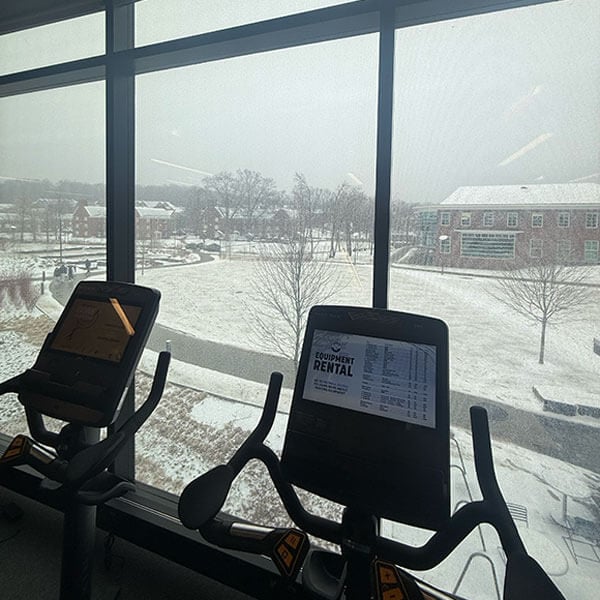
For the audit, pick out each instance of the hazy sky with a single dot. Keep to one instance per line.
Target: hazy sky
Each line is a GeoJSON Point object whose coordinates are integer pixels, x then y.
{"type": "Point", "coordinates": [511, 97]}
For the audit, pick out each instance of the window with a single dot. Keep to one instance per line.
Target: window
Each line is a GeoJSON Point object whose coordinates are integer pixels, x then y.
{"type": "Point", "coordinates": [38, 232]}
{"type": "Point", "coordinates": [487, 245]}
{"type": "Point", "coordinates": [247, 213]}
{"type": "Point", "coordinates": [590, 251]}
{"type": "Point", "coordinates": [563, 249]}
{"type": "Point", "coordinates": [488, 219]}
{"type": "Point", "coordinates": [465, 220]}
{"type": "Point", "coordinates": [52, 44]}
{"type": "Point", "coordinates": [217, 109]}
{"type": "Point", "coordinates": [437, 57]}
{"type": "Point", "coordinates": [564, 219]}
{"type": "Point", "coordinates": [444, 218]}
{"type": "Point", "coordinates": [537, 220]}
{"type": "Point", "coordinates": [535, 248]}
{"type": "Point", "coordinates": [445, 244]}
{"type": "Point", "coordinates": [160, 20]}
{"type": "Point", "coordinates": [591, 220]}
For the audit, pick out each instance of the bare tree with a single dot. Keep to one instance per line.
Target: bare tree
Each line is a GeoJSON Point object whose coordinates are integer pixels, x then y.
{"type": "Point", "coordinates": [244, 194]}
{"type": "Point", "coordinates": [288, 283]}
{"type": "Point", "coordinates": [544, 292]}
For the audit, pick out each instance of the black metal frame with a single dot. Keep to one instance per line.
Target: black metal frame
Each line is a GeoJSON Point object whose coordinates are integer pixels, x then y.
{"type": "Point", "coordinates": [118, 67]}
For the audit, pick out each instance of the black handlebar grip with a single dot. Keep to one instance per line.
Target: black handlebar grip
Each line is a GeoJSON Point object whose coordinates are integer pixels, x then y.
{"type": "Point", "coordinates": [260, 432]}
{"type": "Point", "coordinates": [203, 498]}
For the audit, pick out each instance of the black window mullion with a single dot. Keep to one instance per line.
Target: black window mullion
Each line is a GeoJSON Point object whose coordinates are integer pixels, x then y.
{"type": "Point", "coordinates": [381, 254]}
{"type": "Point", "coordinates": [120, 178]}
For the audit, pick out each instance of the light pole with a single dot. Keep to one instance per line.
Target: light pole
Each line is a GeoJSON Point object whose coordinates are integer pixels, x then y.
{"type": "Point", "coordinates": [442, 239]}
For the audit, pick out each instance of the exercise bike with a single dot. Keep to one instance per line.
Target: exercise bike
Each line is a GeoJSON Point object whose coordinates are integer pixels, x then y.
{"type": "Point", "coordinates": [80, 377]}
{"type": "Point", "coordinates": [354, 361]}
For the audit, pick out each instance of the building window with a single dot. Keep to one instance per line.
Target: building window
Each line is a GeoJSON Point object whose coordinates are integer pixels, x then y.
{"type": "Point", "coordinates": [512, 219]}
{"type": "Point", "coordinates": [590, 251]}
{"type": "Point", "coordinates": [535, 248]}
{"type": "Point", "coordinates": [445, 244]}
{"type": "Point", "coordinates": [445, 218]}
{"type": "Point", "coordinates": [465, 220]}
{"type": "Point", "coordinates": [488, 219]}
{"type": "Point", "coordinates": [488, 245]}
{"type": "Point", "coordinates": [564, 219]}
{"type": "Point", "coordinates": [591, 220]}
{"type": "Point", "coordinates": [537, 220]}
{"type": "Point", "coordinates": [563, 249]}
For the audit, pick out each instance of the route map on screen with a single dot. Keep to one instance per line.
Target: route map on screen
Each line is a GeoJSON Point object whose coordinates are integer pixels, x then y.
{"type": "Point", "coordinates": [96, 329]}
{"type": "Point", "coordinates": [387, 378]}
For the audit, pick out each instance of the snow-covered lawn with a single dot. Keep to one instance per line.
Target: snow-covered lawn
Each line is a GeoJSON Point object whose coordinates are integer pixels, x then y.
{"type": "Point", "coordinates": [493, 350]}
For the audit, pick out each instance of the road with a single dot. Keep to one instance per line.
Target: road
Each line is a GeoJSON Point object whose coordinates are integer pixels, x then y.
{"type": "Point", "coordinates": [551, 435]}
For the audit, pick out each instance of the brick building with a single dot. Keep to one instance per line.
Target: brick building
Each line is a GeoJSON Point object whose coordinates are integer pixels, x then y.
{"type": "Point", "coordinates": [151, 222]}
{"type": "Point", "coordinates": [498, 226]}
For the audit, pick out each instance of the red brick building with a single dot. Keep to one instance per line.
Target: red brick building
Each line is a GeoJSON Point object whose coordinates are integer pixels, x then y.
{"type": "Point", "coordinates": [151, 223]}
{"type": "Point", "coordinates": [493, 227]}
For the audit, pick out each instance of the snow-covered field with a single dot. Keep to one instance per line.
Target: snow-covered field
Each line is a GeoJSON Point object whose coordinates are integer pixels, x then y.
{"type": "Point", "coordinates": [493, 350]}
{"type": "Point", "coordinates": [204, 415]}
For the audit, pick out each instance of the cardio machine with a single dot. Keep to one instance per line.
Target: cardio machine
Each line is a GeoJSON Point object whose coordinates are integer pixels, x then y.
{"type": "Point", "coordinates": [369, 429]}
{"type": "Point", "coordinates": [81, 377]}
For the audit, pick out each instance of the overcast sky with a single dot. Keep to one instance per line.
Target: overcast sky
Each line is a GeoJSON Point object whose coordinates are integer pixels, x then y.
{"type": "Point", "coordinates": [511, 97]}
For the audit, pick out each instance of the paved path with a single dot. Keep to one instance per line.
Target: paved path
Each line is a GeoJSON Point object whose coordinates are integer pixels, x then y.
{"type": "Point", "coordinates": [551, 435]}
{"type": "Point", "coordinates": [555, 436]}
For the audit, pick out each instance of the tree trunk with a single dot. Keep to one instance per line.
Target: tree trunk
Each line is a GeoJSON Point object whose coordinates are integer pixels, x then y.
{"type": "Point", "coordinates": [543, 342]}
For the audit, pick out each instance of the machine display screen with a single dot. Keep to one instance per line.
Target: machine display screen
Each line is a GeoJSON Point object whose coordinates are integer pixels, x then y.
{"type": "Point", "coordinates": [377, 376]}
{"type": "Point", "coordinates": [98, 329]}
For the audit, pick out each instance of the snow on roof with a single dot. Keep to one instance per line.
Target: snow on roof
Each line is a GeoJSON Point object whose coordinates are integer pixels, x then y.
{"type": "Point", "coordinates": [96, 211]}
{"type": "Point", "coordinates": [153, 213]}
{"type": "Point", "coordinates": [541, 195]}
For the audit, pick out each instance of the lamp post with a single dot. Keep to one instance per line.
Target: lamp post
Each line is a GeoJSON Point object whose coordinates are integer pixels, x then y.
{"type": "Point", "coordinates": [442, 239]}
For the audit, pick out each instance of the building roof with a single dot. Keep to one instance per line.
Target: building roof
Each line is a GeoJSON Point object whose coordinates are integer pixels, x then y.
{"type": "Point", "coordinates": [153, 213]}
{"type": "Point", "coordinates": [546, 195]}
{"type": "Point", "coordinates": [96, 212]}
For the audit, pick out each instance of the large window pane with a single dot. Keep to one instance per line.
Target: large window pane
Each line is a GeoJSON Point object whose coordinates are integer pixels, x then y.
{"type": "Point", "coordinates": [52, 44]}
{"type": "Point", "coordinates": [161, 20]}
{"type": "Point", "coordinates": [496, 136]}
{"type": "Point", "coordinates": [52, 180]}
{"type": "Point", "coordinates": [249, 170]}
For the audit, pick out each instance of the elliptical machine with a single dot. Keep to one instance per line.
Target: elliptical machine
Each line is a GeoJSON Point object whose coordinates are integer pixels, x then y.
{"type": "Point", "coordinates": [369, 380]}
{"type": "Point", "coordinates": [81, 376]}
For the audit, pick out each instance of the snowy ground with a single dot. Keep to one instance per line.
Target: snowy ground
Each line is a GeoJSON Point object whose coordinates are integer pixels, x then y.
{"type": "Point", "coordinates": [493, 350]}
{"type": "Point", "coordinates": [493, 354]}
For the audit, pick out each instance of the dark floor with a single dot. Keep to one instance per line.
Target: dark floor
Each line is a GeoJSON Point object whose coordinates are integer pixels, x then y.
{"type": "Point", "coordinates": [30, 551]}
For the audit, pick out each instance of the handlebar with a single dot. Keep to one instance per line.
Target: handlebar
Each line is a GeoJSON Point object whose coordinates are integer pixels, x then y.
{"type": "Point", "coordinates": [204, 497]}
{"type": "Point", "coordinates": [83, 472]}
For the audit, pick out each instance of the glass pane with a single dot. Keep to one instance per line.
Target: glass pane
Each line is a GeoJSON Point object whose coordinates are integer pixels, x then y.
{"type": "Point", "coordinates": [496, 136]}
{"type": "Point", "coordinates": [52, 157]}
{"type": "Point", "coordinates": [257, 168]}
{"type": "Point", "coordinates": [161, 20]}
{"type": "Point", "coordinates": [52, 44]}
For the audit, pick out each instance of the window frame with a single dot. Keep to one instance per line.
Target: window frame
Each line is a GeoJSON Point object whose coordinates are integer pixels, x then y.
{"type": "Point", "coordinates": [587, 251]}
{"type": "Point", "coordinates": [445, 218]}
{"type": "Point", "coordinates": [536, 218]}
{"type": "Point", "coordinates": [591, 220]}
{"type": "Point", "coordinates": [510, 216]}
{"type": "Point", "coordinates": [561, 216]}
{"type": "Point", "coordinates": [465, 219]}
{"type": "Point", "coordinates": [538, 243]}
{"type": "Point", "coordinates": [488, 219]}
{"type": "Point", "coordinates": [150, 509]}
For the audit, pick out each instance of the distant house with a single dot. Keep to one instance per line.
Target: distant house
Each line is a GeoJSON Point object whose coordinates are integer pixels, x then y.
{"type": "Point", "coordinates": [89, 221]}
{"type": "Point", "coordinates": [150, 222]}
{"type": "Point", "coordinates": [496, 226]}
